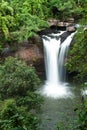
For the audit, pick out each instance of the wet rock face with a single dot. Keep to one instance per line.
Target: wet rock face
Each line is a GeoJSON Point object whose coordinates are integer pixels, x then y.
{"type": "Point", "coordinates": [70, 20]}
{"type": "Point", "coordinates": [68, 25]}
{"type": "Point", "coordinates": [56, 25]}
{"type": "Point", "coordinates": [64, 36]}
{"type": "Point", "coordinates": [30, 53]}
{"type": "Point", "coordinates": [55, 22]}
{"type": "Point", "coordinates": [38, 41]}
{"type": "Point", "coordinates": [71, 29]}
{"type": "Point", "coordinates": [33, 56]}
{"type": "Point", "coordinates": [40, 67]}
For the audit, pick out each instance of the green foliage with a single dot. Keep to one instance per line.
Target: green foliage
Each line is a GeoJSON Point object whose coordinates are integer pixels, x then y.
{"type": "Point", "coordinates": [67, 8]}
{"type": "Point", "coordinates": [6, 18]}
{"type": "Point", "coordinates": [64, 8]}
{"type": "Point", "coordinates": [19, 101]}
{"type": "Point", "coordinates": [78, 56]}
{"type": "Point", "coordinates": [20, 20]}
{"type": "Point", "coordinates": [81, 122]}
{"type": "Point", "coordinates": [6, 21]}
{"type": "Point", "coordinates": [77, 61]}
{"type": "Point", "coordinates": [16, 118]}
{"type": "Point", "coordinates": [32, 100]}
{"type": "Point", "coordinates": [16, 78]}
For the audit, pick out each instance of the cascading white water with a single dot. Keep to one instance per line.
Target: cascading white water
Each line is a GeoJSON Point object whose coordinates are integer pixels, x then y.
{"type": "Point", "coordinates": [51, 60]}
{"type": "Point", "coordinates": [54, 53]}
{"type": "Point", "coordinates": [62, 57]}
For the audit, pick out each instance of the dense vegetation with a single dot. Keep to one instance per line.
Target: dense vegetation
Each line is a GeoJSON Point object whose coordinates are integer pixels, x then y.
{"type": "Point", "coordinates": [78, 57]}
{"type": "Point", "coordinates": [78, 52]}
{"type": "Point", "coordinates": [19, 102]}
{"type": "Point", "coordinates": [21, 20]}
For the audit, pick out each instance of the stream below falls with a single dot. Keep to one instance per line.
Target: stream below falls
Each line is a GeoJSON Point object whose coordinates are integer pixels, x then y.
{"type": "Point", "coordinates": [60, 112]}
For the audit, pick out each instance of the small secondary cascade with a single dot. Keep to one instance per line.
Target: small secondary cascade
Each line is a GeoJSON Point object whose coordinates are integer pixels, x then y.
{"type": "Point", "coordinates": [55, 54]}
{"type": "Point", "coordinates": [63, 56]}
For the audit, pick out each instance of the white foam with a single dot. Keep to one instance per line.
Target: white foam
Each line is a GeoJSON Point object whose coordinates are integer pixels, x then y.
{"type": "Point", "coordinates": [56, 91]}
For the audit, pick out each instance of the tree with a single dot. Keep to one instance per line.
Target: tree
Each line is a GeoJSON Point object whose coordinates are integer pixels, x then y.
{"type": "Point", "coordinates": [77, 61]}
{"type": "Point", "coordinates": [20, 20]}
{"type": "Point", "coordinates": [13, 117]}
{"type": "Point", "coordinates": [16, 78]}
{"type": "Point", "coordinates": [19, 101]}
{"type": "Point", "coordinates": [6, 21]}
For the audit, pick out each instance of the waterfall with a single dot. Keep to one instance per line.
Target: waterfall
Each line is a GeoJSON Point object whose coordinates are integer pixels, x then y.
{"type": "Point", "coordinates": [55, 54]}
{"type": "Point", "coordinates": [63, 56]}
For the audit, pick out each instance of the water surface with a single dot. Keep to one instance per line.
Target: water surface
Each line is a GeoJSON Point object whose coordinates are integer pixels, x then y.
{"type": "Point", "coordinates": [60, 112]}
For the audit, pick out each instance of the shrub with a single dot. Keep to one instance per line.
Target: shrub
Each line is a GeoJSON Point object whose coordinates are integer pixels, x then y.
{"type": "Point", "coordinates": [81, 122]}
{"type": "Point", "coordinates": [32, 101]}
{"type": "Point", "coordinates": [77, 61]}
{"type": "Point", "coordinates": [16, 118]}
{"type": "Point", "coordinates": [16, 78]}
